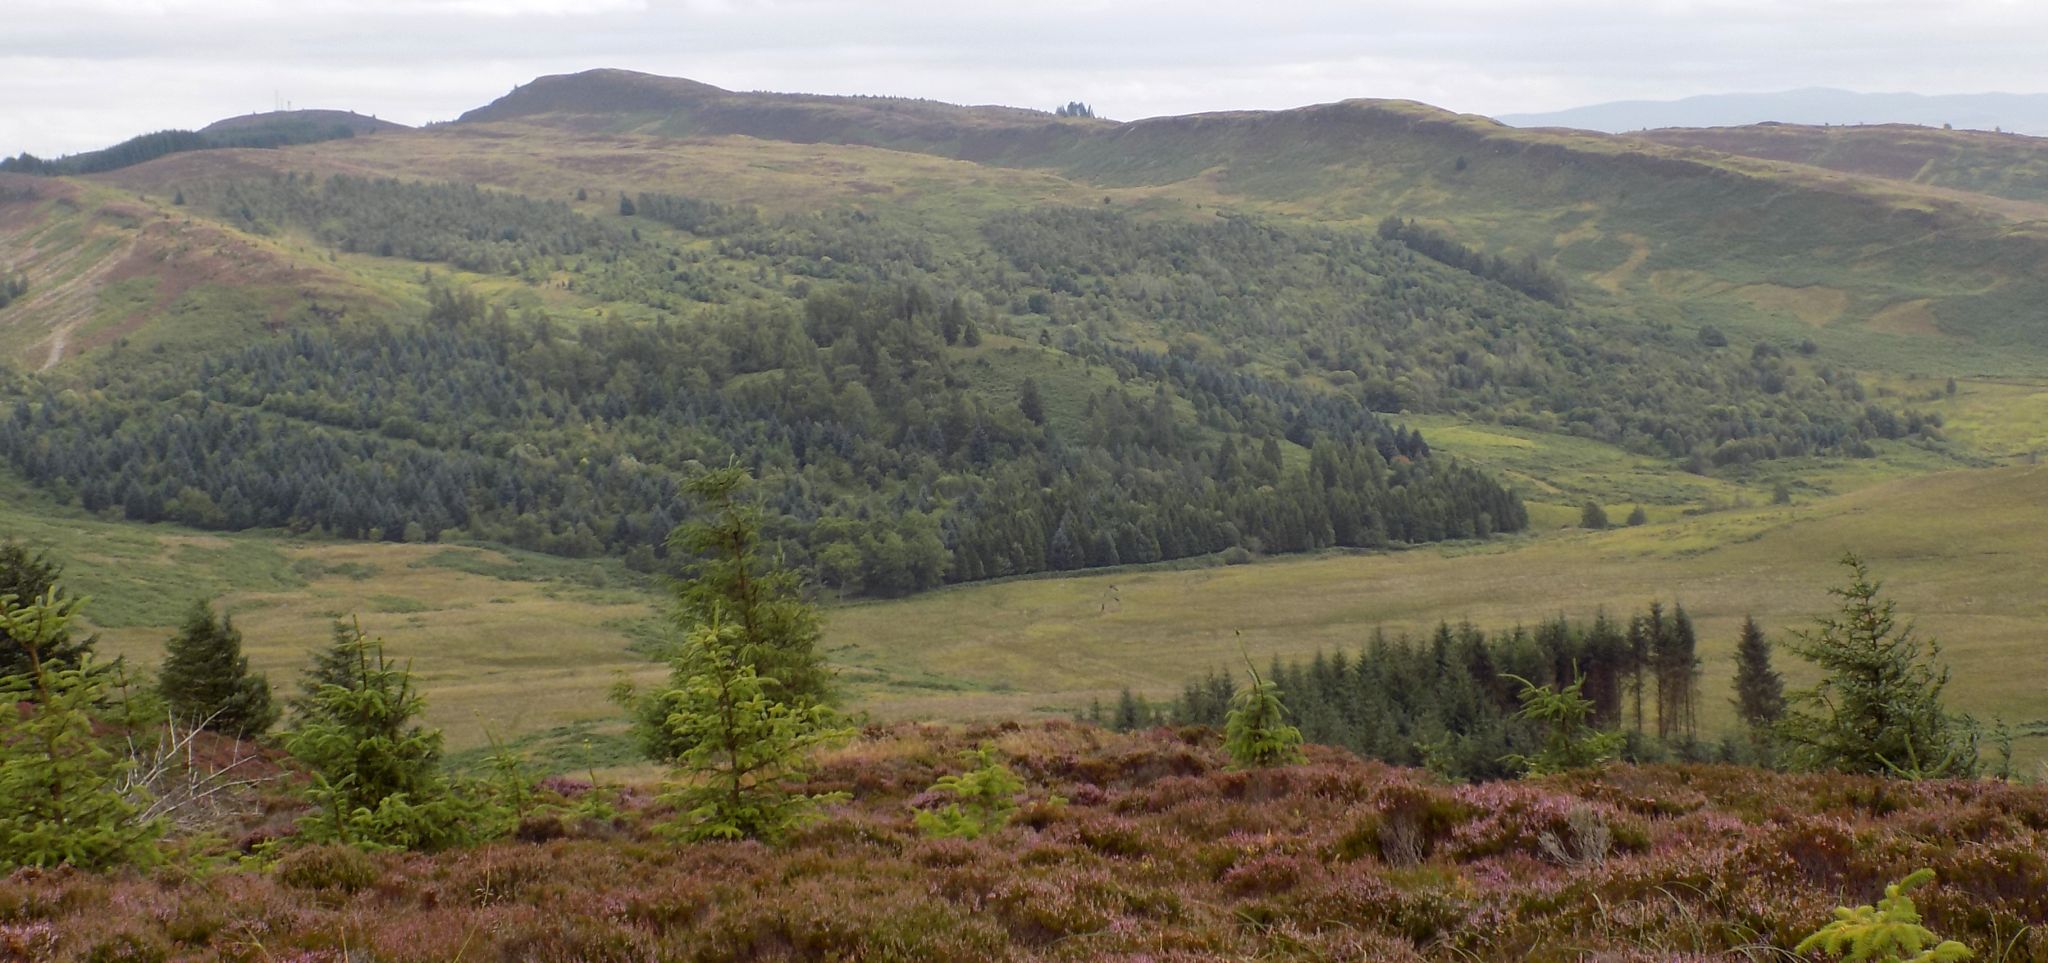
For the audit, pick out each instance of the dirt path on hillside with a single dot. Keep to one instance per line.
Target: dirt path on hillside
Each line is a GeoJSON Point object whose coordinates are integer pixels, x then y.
{"type": "Point", "coordinates": [63, 293]}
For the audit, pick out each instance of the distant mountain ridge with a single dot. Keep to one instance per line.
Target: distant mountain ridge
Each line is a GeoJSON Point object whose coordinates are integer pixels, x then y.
{"type": "Point", "coordinates": [2018, 113]}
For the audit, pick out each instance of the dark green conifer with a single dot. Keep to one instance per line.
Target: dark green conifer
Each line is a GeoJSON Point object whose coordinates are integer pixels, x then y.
{"type": "Point", "coordinates": [206, 679]}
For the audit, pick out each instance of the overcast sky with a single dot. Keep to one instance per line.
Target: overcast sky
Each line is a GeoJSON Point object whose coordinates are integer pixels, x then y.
{"type": "Point", "coordinates": [80, 74]}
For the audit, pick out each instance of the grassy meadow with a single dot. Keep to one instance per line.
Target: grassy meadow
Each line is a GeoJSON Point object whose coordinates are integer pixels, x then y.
{"type": "Point", "coordinates": [522, 646]}
{"type": "Point", "coordinates": [1961, 552]}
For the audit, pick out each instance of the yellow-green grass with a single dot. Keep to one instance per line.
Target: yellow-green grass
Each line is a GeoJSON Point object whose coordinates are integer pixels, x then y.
{"type": "Point", "coordinates": [503, 643]}
{"type": "Point", "coordinates": [1961, 551]}
{"type": "Point", "coordinates": [517, 645]}
{"type": "Point", "coordinates": [1556, 475]}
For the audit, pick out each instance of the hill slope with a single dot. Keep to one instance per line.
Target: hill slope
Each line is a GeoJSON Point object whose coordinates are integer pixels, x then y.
{"type": "Point", "coordinates": [2001, 165]}
{"type": "Point", "coordinates": [2024, 113]}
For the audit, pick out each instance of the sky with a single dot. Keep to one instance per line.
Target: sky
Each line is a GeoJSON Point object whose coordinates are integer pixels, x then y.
{"type": "Point", "coordinates": [81, 74]}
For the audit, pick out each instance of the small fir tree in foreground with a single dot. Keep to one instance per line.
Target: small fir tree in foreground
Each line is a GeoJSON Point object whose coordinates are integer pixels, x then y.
{"type": "Point", "coordinates": [734, 583]}
{"type": "Point", "coordinates": [984, 798]}
{"type": "Point", "coordinates": [30, 577]}
{"type": "Point", "coordinates": [743, 750]}
{"type": "Point", "coordinates": [1570, 740]}
{"type": "Point", "coordinates": [1889, 932]}
{"type": "Point", "coordinates": [376, 775]}
{"type": "Point", "coordinates": [60, 782]}
{"type": "Point", "coordinates": [1877, 708]}
{"type": "Point", "coordinates": [206, 680]}
{"type": "Point", "coordinates": [1256, 732]}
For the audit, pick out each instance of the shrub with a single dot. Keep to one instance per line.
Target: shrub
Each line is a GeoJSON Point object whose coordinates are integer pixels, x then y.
{"type": "Point", "coordinates": [327, 866]}
{"type": "Point", "coordinates": [61, 798]}
{"type": "Point", "coordinates": [1889, 932]}
{"type": "Point", "coordinates": [1256, 732]}
{"type": "Point", "coordinates": [985, 798]}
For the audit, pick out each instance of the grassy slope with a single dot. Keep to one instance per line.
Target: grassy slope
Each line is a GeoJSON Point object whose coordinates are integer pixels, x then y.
{"type": "Point", "coordinates": [1961, 551]}
{"type": "Point", "coordinates": [524, 644]}
{"type": "Point", "coordinates": [2011, 166]}
{"type": "Point", "coordinates": [504, 642]}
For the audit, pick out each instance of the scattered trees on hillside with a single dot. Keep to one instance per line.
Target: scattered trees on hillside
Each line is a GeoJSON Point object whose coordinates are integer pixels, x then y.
{"type": "Point", "coordinates": [1073, 108]}
{"type": "Point", "coordinates": [1526, 275]}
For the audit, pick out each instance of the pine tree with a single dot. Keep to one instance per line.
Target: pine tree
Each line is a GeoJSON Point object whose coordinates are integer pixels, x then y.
{"type": "Point", "coordinates": [333, 665]}
{"type": "Point", "coordinates": [206, 679]}
{"type": "Point", "coordinates": [376, 772]}
{"type": "Point", "coordinates": [60, 801]}
{"type": "Point", "coordinates": [1592, 516]}
{"type": "Point", "coordinates": [1759, 690]}
{"type": "Point", "coordinates": [743, 748]}
{"type": "Point", "coordinates": [1571, 740]}
{"type": "Point", "coordinates": [1877, 708]}
{"type": "Point", "coordinates": [29, 577]}
{"type": "Point", "coordinates": [1030, 402]}
{"type": "Point", "coordinates": [730, 583]}
{"type": "Point", "coordinates": [1256, 732]}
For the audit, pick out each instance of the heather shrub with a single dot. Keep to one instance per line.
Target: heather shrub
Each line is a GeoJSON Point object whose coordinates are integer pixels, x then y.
{"type": "Point", "coordinates": [128, 943]}
{"type": "Point", "coordinates": [328, 866]}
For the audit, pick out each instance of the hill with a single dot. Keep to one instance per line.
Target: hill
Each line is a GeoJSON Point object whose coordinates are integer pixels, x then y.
{"type": "Point", "coordinates": [281, 120]}
{"type": "Point", "coordinates": [2021, 113]}
{"type": "Point", "coordinates": [1789, 254]}
{"type": "Point", "coordinates": [2001, 165]}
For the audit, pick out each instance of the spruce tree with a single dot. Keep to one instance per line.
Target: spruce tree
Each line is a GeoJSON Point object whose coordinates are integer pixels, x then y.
{"type": "Point", "coordinates": [743, 749]}
{"type": "Point", "coordinates": [206, 680]}
{"type": "Point", "coordinates": [1759, 690]}
{"type": "Point", "coordinates": [60, 796]}
{"type": "Point", "coordinates": [1256, 732]}
{"type": "Point", "coordinates": [29, 577]}
{"type": "Point", "coordinates": [732, 583]}
{"type": "Point", "coordinates": [376, 771]}
{"type": "Point", "coordinates": [1877, 708]}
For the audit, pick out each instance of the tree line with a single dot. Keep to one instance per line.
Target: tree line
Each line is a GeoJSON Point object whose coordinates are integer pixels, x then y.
{"type": "Point", "coordinates": [1458, 702]}
{"type": "Point", "coordinates": [148, 147]}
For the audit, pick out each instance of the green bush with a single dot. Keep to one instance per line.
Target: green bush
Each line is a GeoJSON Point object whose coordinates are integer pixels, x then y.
{"type": "Point", "coordinates": [61, 798]}
{"type": "Point", "coordinates": [985, 797]}
{"type": "Point", "coordinates": [1889, 932]}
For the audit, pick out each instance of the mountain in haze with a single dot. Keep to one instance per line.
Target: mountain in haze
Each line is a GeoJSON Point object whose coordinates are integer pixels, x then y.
{"type": "Point", "coordinates": [2020, 113]}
